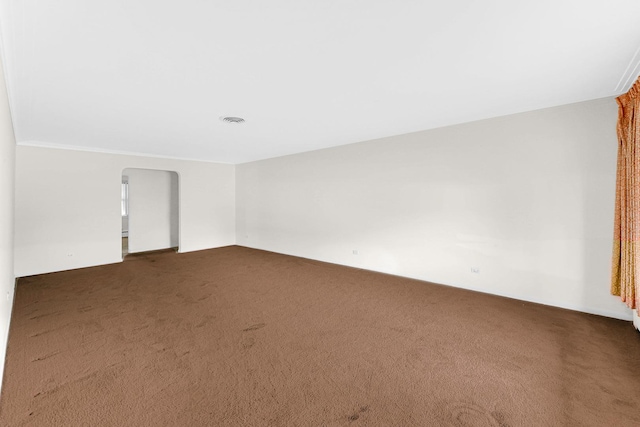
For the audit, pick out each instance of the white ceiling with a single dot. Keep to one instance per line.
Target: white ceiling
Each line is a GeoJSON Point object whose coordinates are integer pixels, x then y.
{"type": "Point", "coordinates": [154, 76]}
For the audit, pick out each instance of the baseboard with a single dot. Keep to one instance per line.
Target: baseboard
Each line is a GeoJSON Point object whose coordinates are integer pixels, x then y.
{"type": "Point", "coordinates": [576, 307]}
{"type": "Point", "coordinates": [3, 356]}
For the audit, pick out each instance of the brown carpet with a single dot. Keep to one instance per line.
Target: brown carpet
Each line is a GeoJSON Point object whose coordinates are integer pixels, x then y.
{"type": "Point", "coordinates": [241, 337]}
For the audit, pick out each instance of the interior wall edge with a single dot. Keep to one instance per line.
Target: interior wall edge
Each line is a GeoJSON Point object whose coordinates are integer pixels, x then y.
{"type": "Point", "coordinates": [99, 150]}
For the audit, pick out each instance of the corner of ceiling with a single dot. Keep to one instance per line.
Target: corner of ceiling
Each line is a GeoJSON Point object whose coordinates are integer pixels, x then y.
{"type": "Point", "coordinates": [630, 74]}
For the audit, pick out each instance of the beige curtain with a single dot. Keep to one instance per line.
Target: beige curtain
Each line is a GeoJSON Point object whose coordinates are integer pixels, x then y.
{"type": "Point", "coordinates": [625, 275]}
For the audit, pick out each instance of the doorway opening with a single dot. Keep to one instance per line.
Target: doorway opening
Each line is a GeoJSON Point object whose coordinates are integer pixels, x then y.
{"type": "Point", "coordinates": [124, 210]}
{"type": "Point", "coordinates": [150, 210]}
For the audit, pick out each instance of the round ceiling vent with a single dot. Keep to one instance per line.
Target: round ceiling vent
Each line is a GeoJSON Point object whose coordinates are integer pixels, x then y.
{"type": "Point", "coordinates": [232, 119]}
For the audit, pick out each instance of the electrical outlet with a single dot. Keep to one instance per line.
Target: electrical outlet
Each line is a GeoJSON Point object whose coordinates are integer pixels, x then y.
{"type": "Point", "coordinates": [69, 254]}
{"type": "Point", "coordinates": [475, 270]}
{"type": "Point", "coordinates": [355, 252]}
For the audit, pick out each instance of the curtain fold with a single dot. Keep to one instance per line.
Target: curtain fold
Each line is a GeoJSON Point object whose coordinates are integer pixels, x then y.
{"type": "Point", "coordinates": [625, 274]}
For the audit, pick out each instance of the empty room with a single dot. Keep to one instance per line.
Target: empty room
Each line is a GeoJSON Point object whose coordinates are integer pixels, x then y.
{"type": "Point", "coordinates": [319, 213]}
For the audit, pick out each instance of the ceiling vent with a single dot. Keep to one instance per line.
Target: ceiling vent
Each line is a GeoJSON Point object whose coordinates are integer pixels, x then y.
{"type": "Point", "coordinates": [232, 119]}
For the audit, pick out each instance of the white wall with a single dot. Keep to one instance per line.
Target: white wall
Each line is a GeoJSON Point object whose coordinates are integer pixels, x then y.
{"type": "Point", "coordinates": [7, 173]}
{"type": "Point", "coordinates": [153, 210]}
{"type": "Point", "coordinates": [68, 206]}
{"type": "Point", "coordinates": [526, 200]}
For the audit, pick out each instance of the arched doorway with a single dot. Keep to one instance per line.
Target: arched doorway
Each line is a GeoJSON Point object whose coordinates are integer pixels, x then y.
{"type": "Point", "coordinates": [150, 210]}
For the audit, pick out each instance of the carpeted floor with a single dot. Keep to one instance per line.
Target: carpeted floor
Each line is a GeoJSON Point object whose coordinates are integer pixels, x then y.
{"type": "Point", "coordinates": [241, 337]}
